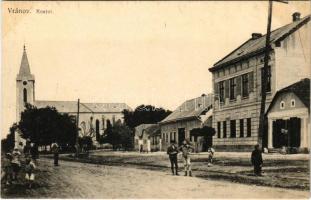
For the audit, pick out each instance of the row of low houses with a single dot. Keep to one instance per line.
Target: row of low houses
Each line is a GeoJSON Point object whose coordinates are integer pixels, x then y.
{"type": "Point", "coordinates": [233, 108]}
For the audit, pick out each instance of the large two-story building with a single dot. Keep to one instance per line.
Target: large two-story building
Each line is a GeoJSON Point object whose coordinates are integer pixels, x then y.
{"type": "Point", "coordinates": [237, 81]}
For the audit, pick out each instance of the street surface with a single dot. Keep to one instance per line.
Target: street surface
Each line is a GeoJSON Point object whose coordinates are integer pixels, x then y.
{"type": "Point", "coordinates": [82, 180]}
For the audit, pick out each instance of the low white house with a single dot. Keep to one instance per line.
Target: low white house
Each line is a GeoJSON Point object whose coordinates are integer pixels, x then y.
{"type": "Point", "coordinates": [289, 117]}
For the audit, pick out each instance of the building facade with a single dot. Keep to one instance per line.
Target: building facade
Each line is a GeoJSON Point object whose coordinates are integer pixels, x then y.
{"type": "Point", "coordinates": [289, 117]}
{"type": "Point", "coordinates": [193, 113]}
{"type": "Point", "coordinates": [237, 81]}
{"type": "Point", "coordinates": [92, 116]}
{"type": "Point", "coordinates": [148, 134]}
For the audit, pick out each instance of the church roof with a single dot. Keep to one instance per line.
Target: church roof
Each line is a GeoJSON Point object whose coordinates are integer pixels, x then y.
{"type": "Point", "coordinates": [255, 46]}
{"type": "Point", "coordinates": [24, 70]}
{"type": "Point", "coordinates": [72, 106]}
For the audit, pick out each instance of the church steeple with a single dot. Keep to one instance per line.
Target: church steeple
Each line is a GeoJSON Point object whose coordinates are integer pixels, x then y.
{"type": "Point", "coordinates": [24, 70]}
{"type": "Point", "coordinates": [25, 85]}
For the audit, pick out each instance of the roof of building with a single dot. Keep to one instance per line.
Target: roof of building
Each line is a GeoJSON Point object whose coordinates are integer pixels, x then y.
{"type": "Point", "coordinates": [190, 109]}
{"type": "Point", "coordinates": [149, 129]}
{"type": "Point", "coordinates": [72, 106]}
{"type": "Point", "coordinates": [254, 46]}
{"type": "Point", "coordinates": [301, 89]}
{"type": "Point", "coordinates": [153, 130]}
{"type": "Point", "coordinates": [24, 70]}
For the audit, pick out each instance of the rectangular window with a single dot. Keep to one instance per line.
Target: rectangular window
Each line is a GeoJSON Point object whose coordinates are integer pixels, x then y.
{"type": "Point", "coordinates": [249, 127]}
{"type": "Point", "coordinates": [232, 83]}
{"type": "Point", "coordinates": [241, 127]}
{"type": "Point", "coordinates": [268, 78]}
{"type": "Point", "coordinates": [245, 85]}
{"type": "Point", "coordinates": [222, 91]}
{"type": "Point", "coordinates": [175, 136]}
{"type": "Point", "coordinates": [232, 129]}
{"type": "Point", "coordinates": [224, 129]}
{"type": "Point", "coordinates": [218, 130]}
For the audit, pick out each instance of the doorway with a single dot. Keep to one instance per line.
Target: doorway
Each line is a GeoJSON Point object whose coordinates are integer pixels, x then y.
{"type": "Point", "coordinates": [286, 133]}
{"type": "Point", "coordinates": [181, 135]}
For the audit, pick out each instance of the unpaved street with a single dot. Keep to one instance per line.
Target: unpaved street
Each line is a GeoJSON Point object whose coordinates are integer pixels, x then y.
{"type": "Point", "coordinates": [80, 180]}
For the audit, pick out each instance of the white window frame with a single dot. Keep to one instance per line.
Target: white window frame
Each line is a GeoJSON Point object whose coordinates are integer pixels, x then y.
{"type": "Point", "coordinates": [291, 103]}
{"type": "Point", "coordinates": [282, 103]}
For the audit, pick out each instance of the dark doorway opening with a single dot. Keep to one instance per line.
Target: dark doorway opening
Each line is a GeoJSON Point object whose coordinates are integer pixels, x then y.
{"type": "Point", "coordinates": [181, 135]}
{"type": "Point", "coordinates": [97, 130]}
{"type": "Point", "coordinates": [286, 133]}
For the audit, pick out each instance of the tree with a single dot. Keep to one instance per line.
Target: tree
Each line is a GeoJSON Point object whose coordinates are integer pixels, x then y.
{"type": "Point", "coordinates": [123, 136]}
{"type": "Point", "coordinates": [86, 143]}
{"type": "Point", "coordinates": [118, 135]}
{"type": "Point", "coordinates": [144, 114]}
{"type": "Point", "coordinates": [45, 125]}
{"type": "Point", "coordinates": [207, 133]}
{"type": "Point", "coordinates": [7, 144]}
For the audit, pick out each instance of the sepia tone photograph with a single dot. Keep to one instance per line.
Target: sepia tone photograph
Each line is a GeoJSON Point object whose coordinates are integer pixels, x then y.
{"type": "Point", "coordinates": [155, 99]}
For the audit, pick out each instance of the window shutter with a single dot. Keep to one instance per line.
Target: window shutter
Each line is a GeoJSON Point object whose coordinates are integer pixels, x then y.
{"type": "Point", "coordinates": [251, 81]}
{"type": "Point", "coordinates": [226, 88]}
{"type": "Point", "coordinates": [238, 85]}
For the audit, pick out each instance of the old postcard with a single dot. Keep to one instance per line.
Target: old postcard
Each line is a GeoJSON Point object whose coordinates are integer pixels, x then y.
{"type": "Point", "coordinates": [155, 99]}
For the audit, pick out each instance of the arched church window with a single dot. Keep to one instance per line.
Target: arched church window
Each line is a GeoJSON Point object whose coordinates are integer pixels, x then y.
{"type": "Point", "coordinates": [25, 95]}
{"type": "Point", "coordinates": [97, 130]}
{"type": "Point", "coordinates": [97, 126]}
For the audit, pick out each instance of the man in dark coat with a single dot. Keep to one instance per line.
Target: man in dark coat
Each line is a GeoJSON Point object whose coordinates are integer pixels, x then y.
{"type": "Point", "coordinates": [172, 152]}
{"type": "Point", "coordinates": [257, 160]}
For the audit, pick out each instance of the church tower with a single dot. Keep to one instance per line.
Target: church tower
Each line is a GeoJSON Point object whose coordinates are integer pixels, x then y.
{"type": "Point", "coordinates": [25, 86]}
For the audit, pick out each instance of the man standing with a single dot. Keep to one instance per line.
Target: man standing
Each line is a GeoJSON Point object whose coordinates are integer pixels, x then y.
{"type": "Point", "coordinates": [172, 152]}
{"type": "Point", "coordinates": [55, 150]}
{"type": "Point", "coordinates": [186, 148]}
{"type": "Point", "coordinates": [256, 160]}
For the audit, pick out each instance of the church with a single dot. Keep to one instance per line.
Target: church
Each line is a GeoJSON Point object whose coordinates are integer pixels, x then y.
{"type": "Point", "coordinates": [92, 116]}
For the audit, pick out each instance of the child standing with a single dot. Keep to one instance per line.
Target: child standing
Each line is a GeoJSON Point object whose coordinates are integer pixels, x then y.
{"type": "Point", "coordinates": [29, 169]}
{"type": "Point", "coordinates": [210, 156]}
{"type": "Point", "coordinates": [7, 172]}
{"type": "Point", "coordinates": [16, 163]}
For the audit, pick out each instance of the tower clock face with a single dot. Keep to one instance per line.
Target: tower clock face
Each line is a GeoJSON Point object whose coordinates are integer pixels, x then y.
{"type": "Point", "coordinates": [24, 82]}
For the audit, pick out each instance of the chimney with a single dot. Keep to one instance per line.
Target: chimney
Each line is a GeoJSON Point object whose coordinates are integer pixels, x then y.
{"type": "Point", "coordinates": [296, 16]}
{"type": "Point", "coordinates": [256, 35]}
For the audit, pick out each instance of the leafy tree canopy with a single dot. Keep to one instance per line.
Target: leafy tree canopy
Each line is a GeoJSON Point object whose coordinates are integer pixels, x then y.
{"type": "Point", "coordinates": [144, 114]}
{"type": "Point", "coordinates": [45, 125]}
{"type": "Point", "coordinates": [7, 144]}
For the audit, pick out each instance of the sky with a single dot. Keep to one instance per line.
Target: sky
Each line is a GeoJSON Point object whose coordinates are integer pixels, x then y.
{"type": "Point", "coordinates": [138, 53]}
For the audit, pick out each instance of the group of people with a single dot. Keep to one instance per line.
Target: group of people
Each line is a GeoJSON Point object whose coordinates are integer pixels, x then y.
{"type": "Point", "coordinates": [13, 164]}
{"type": "Point", "coordinates": [185, 149]}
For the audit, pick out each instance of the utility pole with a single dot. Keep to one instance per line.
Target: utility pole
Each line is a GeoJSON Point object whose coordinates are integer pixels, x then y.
{"type": "Point", "coordinates": [77, 136]}
{"type": "Point", "coordinates": [264, 73]}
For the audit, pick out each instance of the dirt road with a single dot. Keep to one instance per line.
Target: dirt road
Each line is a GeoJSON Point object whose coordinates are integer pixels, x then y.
{"type": "Point", "coordinates": [80, 180]}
